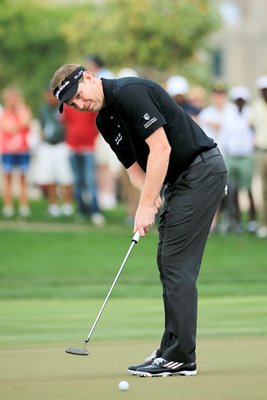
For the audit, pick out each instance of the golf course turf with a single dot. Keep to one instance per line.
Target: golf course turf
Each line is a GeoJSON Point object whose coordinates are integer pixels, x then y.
{"type": "Point", "coordinates": [53, 284]}
{"type": "Point", "coordinates": [229, 368]}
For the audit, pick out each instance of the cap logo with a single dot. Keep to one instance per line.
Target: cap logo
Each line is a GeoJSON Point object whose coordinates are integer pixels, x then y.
{"type": "Point", "coordinates": [68, 83]}
{"type": "Point", "coordinates": [77, 76]}
{"type": "Point", "coordinates": [61, 88]}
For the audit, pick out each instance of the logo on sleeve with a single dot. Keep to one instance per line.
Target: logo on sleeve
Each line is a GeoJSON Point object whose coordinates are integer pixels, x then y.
{"type": "Point", "coordinates": [149, 122]}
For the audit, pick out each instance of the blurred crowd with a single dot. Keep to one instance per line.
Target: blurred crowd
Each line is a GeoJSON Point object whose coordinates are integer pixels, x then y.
{"type": "Point", "coordinates": [66, 158]}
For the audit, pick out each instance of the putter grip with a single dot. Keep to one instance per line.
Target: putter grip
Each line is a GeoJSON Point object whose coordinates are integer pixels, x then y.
{"type": "Point", "coordinates": [136, 237]}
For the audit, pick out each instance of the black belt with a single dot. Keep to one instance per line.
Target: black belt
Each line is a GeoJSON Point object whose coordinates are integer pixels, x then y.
{"type": "Point", "coordinates": [205, 155]}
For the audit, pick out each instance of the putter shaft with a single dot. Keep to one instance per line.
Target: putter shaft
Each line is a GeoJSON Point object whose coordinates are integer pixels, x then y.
{"type": "Point", "coordinates": [83, 351]}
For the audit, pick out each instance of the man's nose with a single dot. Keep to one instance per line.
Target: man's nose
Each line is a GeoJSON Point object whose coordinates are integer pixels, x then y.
{"type": "Point", "coordinates": [78, 104]}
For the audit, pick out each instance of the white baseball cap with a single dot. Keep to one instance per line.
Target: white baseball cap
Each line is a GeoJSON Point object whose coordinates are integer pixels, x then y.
{"type": "Point", "coordinates": [261, 82]}
{"type": "Point", "coordinates": [239, 92]}
{"type": "Point", "coordinates": [125, 72]}
{"type": "Point", "coordinates": [177, 85]}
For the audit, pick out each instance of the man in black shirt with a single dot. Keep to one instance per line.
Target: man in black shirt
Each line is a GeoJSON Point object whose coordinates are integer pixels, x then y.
{"type": "Point", "coordinates": [160, 146]}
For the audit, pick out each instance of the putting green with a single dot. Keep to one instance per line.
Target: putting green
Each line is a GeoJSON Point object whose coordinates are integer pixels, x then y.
{"type": "Point", "coordinates": [229, 368]}
{"type": "Point", "coordinates": [231, 350]}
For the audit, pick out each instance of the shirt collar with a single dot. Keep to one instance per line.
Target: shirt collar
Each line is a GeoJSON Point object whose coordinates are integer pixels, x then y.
{"type": "Point", "coordinates": [108, 88]}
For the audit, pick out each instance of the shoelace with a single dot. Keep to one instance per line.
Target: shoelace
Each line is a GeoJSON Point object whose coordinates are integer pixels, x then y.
{"type": "Point", "coordinates": [151, 357]}
{"type": "Point", "coordinates": [159, 361]}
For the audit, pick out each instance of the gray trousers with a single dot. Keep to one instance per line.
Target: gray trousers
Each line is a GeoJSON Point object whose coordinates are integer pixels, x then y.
{"type": "Point", "coordinates": [184, 224]}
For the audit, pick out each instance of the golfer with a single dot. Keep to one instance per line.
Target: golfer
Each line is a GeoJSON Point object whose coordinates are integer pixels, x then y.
{"type": "Point", "coordinates": [161, 147]}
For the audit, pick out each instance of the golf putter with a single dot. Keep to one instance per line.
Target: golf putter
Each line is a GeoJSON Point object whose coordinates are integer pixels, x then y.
{"type": "Point", "coordinates": [83, 351]}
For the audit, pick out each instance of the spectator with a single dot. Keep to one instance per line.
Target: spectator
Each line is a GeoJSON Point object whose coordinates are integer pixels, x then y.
{"type": "Point", "coordinates": [238, 148]}
{"type": "Point", "coordinates": [215, 116]}
{"type": "Point", "coordinates": [178, 88]}
{"type": "Point", "coordinates": [52, 166]}
{"type": "Point", "coordinates": [96, 64]}
{"type": "Point", "coordinates": [15, 122]}
{"type": "Point", "coordinates": [258, 120]}
{"type": "Point", "coordinates": [80, 135]}
{"type": "Point", "coordinates": [106, 161]}
{"type": "Point", "coordinates": [215, 119]}
{"type": "Point", "coordinates": [197, 97]}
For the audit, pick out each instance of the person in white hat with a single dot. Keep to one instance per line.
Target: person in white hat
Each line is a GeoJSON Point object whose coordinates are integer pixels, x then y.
{"type": "Point", "coordinates": [178, 88]}
{"type": "Point", "coordinates": [258, 120]}
{"type": "Point", "coordinates": [215, 119]}
{"type": "Point", "coordinates": [238, 146]}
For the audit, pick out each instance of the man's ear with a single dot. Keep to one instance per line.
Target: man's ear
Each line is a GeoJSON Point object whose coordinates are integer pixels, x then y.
{"type": "Point", "coordinates": [87, 75]}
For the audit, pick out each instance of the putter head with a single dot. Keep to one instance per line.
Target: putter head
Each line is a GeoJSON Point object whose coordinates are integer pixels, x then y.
{"type": "Point", "coordinates": [77, 352]}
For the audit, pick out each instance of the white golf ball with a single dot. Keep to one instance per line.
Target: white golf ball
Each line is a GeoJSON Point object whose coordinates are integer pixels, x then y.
{"type": "Point", "coordinates": [123, 385]}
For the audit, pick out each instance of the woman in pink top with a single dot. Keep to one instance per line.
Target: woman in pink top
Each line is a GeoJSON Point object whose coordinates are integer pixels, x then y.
{"type": "Point", "coordinates": [15, 123]}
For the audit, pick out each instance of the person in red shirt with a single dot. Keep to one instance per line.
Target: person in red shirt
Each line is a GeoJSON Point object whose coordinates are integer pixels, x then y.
{"type": "Point", "coordinates": [80, 135]}
{"type": "Point", "coordinates": [15, 124]}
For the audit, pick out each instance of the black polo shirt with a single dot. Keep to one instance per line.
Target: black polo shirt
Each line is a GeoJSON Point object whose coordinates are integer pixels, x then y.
{"type": "Point", "coordinates": [134, 109]}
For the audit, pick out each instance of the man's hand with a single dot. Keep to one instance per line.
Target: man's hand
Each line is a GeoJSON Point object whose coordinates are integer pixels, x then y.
{"type": "Point", "coordinates": [144, 219]}
{"type": "Point", "coordinates": [145, 216]}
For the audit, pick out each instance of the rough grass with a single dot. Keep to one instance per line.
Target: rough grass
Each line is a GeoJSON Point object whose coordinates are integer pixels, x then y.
{"type": "Point", "coordinates": [70, 261]}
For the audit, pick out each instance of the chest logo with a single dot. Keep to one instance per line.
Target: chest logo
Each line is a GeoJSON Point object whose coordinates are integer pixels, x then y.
{"type": "Point", "coordinates": [118, 138]}
{"type": "Point", "coordinates": [146, 116]}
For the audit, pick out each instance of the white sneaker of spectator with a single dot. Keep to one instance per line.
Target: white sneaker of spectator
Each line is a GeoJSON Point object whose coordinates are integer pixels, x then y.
{"type": "Point", "coordinates": [252, 226]}
{"type": "Point", "coordinates": [107, 201]}
{"type": "Point", "coordinates": [24, 211]}
{"type": "Point", "coordinates": [262, 232]}
{"type": "Point", "coordinates": [8, 211]}
{"type": "Point", "coordinates": [54, 210]}
{"type": "Point", "coordinates": [98, 219]}
{"type": "Point", "coordinates": [67, 209]}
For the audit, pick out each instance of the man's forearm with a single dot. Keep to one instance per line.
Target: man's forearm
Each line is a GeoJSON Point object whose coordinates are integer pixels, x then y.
{"type": "Point", "coordinates": [157, 166]}
{"type": "Point", "coordinates": [137, 176]}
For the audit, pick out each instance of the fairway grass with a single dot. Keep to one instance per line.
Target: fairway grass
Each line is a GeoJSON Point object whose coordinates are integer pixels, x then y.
{"type": "Point", "coordinates": [228, 368]}
{"type": "Point", "coordinates": [53, 320]}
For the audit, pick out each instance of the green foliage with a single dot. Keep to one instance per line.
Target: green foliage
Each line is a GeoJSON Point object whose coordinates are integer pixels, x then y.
{"type": "Point", "coordinates": [161, 35]}
{"type": "Point", "coordinates": [31, 46]}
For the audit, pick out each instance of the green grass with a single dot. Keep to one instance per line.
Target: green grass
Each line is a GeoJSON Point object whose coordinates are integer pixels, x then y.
{"type": "Point", "coordinates": [76, 261]}
{"type": "Point", "coordinates": [39, 214]}
{"type": "Point", "coordinates": [54, 276]}
{"type": "Point", "coordinates": [53, 280]}
{"type": "Point", "coordinates": [54, 320]}
{"type": "Point", "coordinates": [229, 368]}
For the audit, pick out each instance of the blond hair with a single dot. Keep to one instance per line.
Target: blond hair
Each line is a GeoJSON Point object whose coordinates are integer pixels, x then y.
{"type": "Point", "coordinates": [61, 74]}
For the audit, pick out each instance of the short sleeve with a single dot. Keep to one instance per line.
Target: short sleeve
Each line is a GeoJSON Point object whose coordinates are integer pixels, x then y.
{"type": "Point", "coordinates": [139, 106]}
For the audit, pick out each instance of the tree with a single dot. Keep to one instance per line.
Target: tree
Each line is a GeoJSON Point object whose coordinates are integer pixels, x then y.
{"type": "Point", "coordinates": [31, 46]}
{"type": "Point", "coordinates": [162, 34]}
{"type": "Point", "coordinates": [150, 35]}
